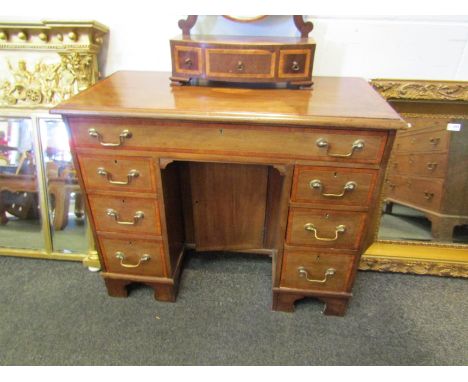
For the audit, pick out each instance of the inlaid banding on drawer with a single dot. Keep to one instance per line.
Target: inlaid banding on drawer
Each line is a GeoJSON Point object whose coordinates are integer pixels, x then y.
{"type": "Point", "coordinates": [240, 63]}
{"type": "Point", "coordinates": [120, 214]}
{"type": "Point", "coordinates": [316, 271]}
{"type": "Point", "coordinates": [324, 228]}
{"type": "Point", "coordinates": [333, 185]}
{"type": "Point", "coordinates": [335, 145]}
{"type": "Point", "coordinates": [136, 257]}
{"type": "Point", "coordinates": [118, 173]}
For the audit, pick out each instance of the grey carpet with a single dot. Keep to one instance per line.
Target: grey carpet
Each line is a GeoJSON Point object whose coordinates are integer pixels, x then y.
{"type": "Point", "coordinates": [58, 313]}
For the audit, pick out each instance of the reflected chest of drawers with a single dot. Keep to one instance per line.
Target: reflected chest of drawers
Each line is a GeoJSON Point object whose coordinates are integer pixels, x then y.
{"type": "Point", "coordinates": [294, 174]}
{"type": "Point", "coordinates": [427, 172]}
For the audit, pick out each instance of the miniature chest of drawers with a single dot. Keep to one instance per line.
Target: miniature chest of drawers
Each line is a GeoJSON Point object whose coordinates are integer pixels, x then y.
{"type": "Point", "coordinates": [295, 174]}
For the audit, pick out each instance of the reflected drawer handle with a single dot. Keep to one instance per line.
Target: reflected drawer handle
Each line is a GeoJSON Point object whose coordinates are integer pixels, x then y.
{"type": "Point", "coordinates": [132, 174]}
{"type": "Point", "coordinates": [431, 166]}
{"type": "Point", "coordinates": [349, 186]}
{"type": "Point", "coordinates": [358, 144]}
{"type": "Point", "coordinates": [330, 272]}
{"type": "Point", "coordinates": [136, 218]}
{"type": "Point", "coordinates": [434, 141]}
{"type": "Point", "coordinates": [339, 229]}
{"type": "Point", "coordinates": [121, 256]}
{"type": "Point", "coordinates": [295, 66]}
{"type": "Point", "coordinates": [123, 135]}
{"type": "Point", "coordinates": [240, 66]}
{"type": "Point", "coordinates": [428, 195]}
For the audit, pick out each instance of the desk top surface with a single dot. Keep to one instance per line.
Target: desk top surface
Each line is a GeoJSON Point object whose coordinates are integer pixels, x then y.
{"type": "Point", "coordinates": [333, 102]}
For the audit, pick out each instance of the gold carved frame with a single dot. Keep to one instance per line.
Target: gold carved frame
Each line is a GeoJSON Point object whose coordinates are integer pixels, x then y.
{"type": "Point", "coordinates": [47, 62]}
{"type": "Point", "coordinates": [413, 257]}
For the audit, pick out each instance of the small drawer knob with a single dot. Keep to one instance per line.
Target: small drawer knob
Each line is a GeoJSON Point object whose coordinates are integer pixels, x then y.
{"type": "Point", "coordinates": [295, 66]}
{"type": "Point", "coordinates": [240, 66]}
{"type": "Point", "coordinates": [188, 62]}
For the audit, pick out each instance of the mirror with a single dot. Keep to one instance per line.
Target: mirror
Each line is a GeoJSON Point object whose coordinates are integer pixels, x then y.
{"type": "Point", "coordinates": [245, 19]}
{"type": "Point", "coordinates": [66, 205]}
{"type": "Point", "coordinates": [426, 188]}
{"type": "Point", "coordinates": [20, 218]}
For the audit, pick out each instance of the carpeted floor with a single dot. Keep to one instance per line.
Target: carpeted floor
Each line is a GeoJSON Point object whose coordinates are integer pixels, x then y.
{"type": "Point", "coordinates": [58, 313]}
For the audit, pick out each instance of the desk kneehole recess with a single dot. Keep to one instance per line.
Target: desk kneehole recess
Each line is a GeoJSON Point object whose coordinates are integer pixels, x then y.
{"type": "Point", "coordinates": [232, 170]}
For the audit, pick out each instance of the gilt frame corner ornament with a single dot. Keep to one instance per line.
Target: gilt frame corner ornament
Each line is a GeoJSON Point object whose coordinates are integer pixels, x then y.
{"type": "Point", "coordinates": [437, 259]}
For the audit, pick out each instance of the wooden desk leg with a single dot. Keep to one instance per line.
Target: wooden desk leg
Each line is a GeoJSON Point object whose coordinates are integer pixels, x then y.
{"type": "Point", "coordinates": [442, 229]}
{"type": "Point", "coordinates": [335, 306]}
{"type": "Point", "coordinates": [284, 302]}
{"type": "Point", "coordinates": [116, 287]}
{"type": "Point", "coordinates": [166, 293]}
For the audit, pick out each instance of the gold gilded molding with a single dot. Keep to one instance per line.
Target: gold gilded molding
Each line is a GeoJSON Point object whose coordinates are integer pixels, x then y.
{"type": "Point", "coordinates": [67, 64]}
{"type": "Point", "coordinates": [47, 84]}
{"type": "Point", "coordinates": [421, 90]}
{"type": "Point", "coordinates": [415, 267]}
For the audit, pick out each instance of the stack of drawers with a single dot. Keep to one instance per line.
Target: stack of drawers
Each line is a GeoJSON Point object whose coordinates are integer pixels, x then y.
{"type": "Point", "coordinates": [329, 215]}
{"type": "Point", "coordinates": [120, 180]}
{"type": "Point", "coordinates": [428, 172]}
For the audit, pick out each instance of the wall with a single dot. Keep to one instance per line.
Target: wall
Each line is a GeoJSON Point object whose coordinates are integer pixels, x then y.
{"type": "Point", "coordinates": [425, 47]}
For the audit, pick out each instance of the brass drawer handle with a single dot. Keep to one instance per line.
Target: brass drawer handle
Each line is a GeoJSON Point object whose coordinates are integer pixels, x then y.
{"type": "Point", "coordinates": [330, 272]}
{"type": "Point", "coordinates": [132, 174]}
{"type": "Point", "coordinates": [311, 228]}
{"type": "Point", "coordinates": [428, 195]}
{"type": "Point", "coordinates": [136, 218]}
{"type": "Point", "coordinates": [240, 66]}
{"type": "Point", "coordinates": [121, 256]}
{"type": "Point", "coordinates": [317, 184]}
{"type": "Point", "coordinates": [295, 66]}
{"type": "Point", "coordinates": [123, 135]}
{"type": "Point", "coordinates": [431, 166]}
{"type": "Point", "coordinates": [358, 144]}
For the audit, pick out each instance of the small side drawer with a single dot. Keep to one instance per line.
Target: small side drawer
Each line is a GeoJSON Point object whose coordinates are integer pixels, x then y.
{"type": "Point", "coordinates": [429, 164]}
{"type": "Point", "coordinates": [316, 271]}
{"type": "Point", "coordinates": [121, 214]}
{"type": "Point", "coordinates": [117, 173]}
{"type": "Point", "coordinates": [325, 228]}
{"type": "Point", "coordinates": [333, 185]}
{"type": "Point", "coordinates": [294, 63]}
{"type": "Point", "coordinates": [187, 59]}
{"type": "Point", "coordinates": [421, 192]}
{"type": "Point", "coordinates": [136, 257]}
{"type": "Point", "coordinates": [240, 63]}
{"type": "Point", "coordinates": [430, 141]}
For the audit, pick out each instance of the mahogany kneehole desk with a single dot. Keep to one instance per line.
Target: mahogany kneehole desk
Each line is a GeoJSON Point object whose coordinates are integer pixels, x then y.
{"type": "Point", "coordinates": [296, 174]}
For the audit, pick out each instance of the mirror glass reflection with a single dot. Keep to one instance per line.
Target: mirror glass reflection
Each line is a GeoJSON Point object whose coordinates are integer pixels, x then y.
{"type": "Point", "coordinates": [65, 198]}
{"type": "Point", "coordinates": [426, 188]}
{"type": "Point", "coordinates": [20, 218]}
